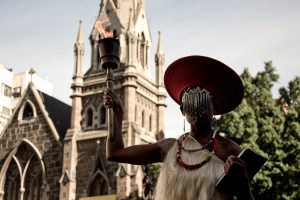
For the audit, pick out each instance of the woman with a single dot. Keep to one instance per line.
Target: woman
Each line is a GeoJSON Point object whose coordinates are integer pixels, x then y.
{"type": "Point", "coordinates": [203, 87]}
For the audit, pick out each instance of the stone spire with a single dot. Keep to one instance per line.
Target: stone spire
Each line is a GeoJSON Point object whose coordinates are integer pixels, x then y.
{"type": "Point", "coordinates": [80, 33]}
{"type": "Point", "coordinates": [79, 52]}
{"type": "Point", "coordinates": [159, 61]}
{"type": "Point", "coordinates": [161, 105]}
{"type": "Point", "coordinates": [77, 79]}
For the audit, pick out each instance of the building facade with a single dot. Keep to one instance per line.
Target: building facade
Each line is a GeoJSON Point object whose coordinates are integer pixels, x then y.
{"type": "Point", "coordinates": [13, 85]}
{"type": "Point", "coordinates": [50, 150]}
{"type": "Point", "coordinates": [6, 80]}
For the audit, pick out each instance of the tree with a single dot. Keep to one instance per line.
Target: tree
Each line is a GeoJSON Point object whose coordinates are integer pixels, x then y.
{"type": "Point", "coordinates": [151, 173]}
{"type": "Point", "coordinates": [260, 123]}
{"type": "Point", "coordinates": [290, 103]}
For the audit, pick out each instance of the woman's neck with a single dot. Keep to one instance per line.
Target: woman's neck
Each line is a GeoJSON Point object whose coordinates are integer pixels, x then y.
{"type": "Point", "coordinates": [202, 133]}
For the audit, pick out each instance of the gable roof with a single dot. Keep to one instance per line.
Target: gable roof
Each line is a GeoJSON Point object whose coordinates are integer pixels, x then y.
{"type": "Point", "coordinates": [59, 112]}
{"type": "Point", "coordinates": [56, 113]}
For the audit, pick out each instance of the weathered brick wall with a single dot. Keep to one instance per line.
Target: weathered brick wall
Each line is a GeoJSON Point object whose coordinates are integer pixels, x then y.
{"type": "Point", "coordinates": [39, 134]}
{"type": "Point", "coordinates": [86, 165]}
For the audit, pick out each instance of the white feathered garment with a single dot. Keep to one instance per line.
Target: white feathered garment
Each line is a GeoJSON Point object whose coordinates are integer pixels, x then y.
{"type": "Point", "coordinates": [178, 183]}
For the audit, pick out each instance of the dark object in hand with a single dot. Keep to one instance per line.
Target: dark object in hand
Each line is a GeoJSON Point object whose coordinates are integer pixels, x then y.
{"type": "Point", "coordinates": [229, 183]}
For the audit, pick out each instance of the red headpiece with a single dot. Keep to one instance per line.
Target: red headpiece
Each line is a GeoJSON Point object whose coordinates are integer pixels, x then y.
{"type": "Point", "coordinates": [219, 79]}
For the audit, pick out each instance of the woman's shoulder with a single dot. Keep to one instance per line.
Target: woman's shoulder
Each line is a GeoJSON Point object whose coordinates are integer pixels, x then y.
{"type": "Point", "coordinates": [166, 144]}
{"type": "Point", "coordinates": [227, 147]}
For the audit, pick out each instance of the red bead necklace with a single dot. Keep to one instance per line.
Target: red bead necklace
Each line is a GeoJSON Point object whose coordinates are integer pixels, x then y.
{"type": "Point", "coordinates": [200, 164]}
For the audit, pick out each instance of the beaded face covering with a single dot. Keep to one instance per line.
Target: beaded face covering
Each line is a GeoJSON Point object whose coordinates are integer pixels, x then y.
{"type": "Point", "coordinates": [195, 101]}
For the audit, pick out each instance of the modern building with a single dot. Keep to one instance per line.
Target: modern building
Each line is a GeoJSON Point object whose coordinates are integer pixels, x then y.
{"type": "Point", "coordinates": [6, 79]}
{"type": "Point", "coordinates": [50, 150]}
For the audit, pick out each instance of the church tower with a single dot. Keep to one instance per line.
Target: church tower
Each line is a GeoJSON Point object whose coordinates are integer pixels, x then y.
{"type": "Point", "coordinates": [143, 99]}
{"type": "Point", "coordinates": [70, 154]}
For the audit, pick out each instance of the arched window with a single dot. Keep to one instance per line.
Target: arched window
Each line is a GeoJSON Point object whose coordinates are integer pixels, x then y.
{"type": "Point", "coordinates": [143, 119]}
{"type": "Point", "coordinates": [33, 180]}
{"type": "Point", "coordinates": [136, 113]}
{"type": "Point", "coordinates": [89, 117]}
{"type": "Point", "coordinates": [27, 112]}
{"type": "Point", "coordinates": [150, 123]}
{"type": "Point", "coordinates": [99, 185]}
{"type": "Point", "coordinates": [138, 47]}
{"type": "Point", "coordinates": [142, 50]}
{"type": "Point", "coordinates": [24, 172]}
{"type": "Point", "coordinates": [102, 115]}
{"type": "Point", "coordinates": [12, 183]}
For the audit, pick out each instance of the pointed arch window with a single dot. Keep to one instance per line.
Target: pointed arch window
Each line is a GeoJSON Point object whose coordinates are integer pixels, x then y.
{"type": "Point", "coordinates": [138, 47]}
{"type": "Point", "coordinates": [27, 112]}
{"type": "Point", "coordinates": [99, 184]}
{"type": "Point", "coordinates": [33, 180]}
{"type": "Point", "coordinates": [24, 172]}
{"type": "Point", "coordinates": [89, 117]}
{"type": "Point", "coordinates": [12, 182]}
{"type": "Point", "coordinates": [142, 50]}
{"type": "Point", "coordinates": [102, 115]}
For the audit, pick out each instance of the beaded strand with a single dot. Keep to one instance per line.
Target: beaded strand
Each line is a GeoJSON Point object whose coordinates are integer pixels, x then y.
{"type": "Point", "coordinates": [200, 164]}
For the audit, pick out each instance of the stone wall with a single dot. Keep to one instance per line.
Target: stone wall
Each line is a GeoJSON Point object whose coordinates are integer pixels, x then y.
{"type": "Point", "coordinates": [37, 132]}
{"type": "Point", "coordinates": [91, 155]}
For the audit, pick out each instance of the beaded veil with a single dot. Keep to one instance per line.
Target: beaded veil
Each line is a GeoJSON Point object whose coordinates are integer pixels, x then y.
{"type": "Point", "coordinates": [195, 101]}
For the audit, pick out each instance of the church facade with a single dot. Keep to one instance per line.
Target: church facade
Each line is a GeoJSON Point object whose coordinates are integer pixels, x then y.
{"type": "Point", "coordinates": [50, 150]}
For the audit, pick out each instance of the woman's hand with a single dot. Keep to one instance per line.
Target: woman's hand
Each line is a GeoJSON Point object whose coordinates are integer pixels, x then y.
{"type": "Point", "coordinates": [111, 100]}
{"type": "Point", "coordinates": [237, 167]}
{"type": "Point", "coordinates": [236, 164]}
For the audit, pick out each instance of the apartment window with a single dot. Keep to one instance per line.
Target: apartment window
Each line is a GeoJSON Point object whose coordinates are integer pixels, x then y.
{"type": "Point", "coordinates": [6, 90]}
{"type": "Point", "coordinates": [5, 111]}
{"type": "Point", "coordinates": [16, 92]}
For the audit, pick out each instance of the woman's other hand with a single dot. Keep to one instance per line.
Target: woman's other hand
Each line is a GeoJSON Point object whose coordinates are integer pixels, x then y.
{"type": "Point", "coordinates": [237, 168]}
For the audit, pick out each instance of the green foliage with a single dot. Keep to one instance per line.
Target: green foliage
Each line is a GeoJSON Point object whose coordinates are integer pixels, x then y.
{"type": "Point", "coordinates": [271, 127]}
{"type": "Point", "coordinates": [151, 173]}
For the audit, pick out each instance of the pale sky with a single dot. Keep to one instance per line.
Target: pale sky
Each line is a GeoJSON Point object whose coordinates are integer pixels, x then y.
{"type": "Point", "coordinates": [41, 34]}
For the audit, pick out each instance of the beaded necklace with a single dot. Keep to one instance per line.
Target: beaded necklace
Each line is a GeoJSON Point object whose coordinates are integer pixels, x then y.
{"type": "Point", "coordinates": [200, 164]}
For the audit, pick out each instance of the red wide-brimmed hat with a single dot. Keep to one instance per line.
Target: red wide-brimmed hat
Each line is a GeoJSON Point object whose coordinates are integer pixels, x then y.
{"type": "Point", "coordinates": [219, 79]}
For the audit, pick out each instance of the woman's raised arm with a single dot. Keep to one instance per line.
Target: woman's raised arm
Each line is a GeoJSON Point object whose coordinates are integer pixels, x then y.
{"type": "Point", "coordinates": [137, 154]}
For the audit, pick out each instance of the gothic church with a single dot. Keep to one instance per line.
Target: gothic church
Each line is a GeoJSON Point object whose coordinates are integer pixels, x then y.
{"type": "Point", "coordinates": [50, 150]}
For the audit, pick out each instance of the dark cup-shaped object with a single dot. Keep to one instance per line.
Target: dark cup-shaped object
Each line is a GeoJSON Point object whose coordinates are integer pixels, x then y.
{"type": "Point", "coordinates": [109, 49]}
